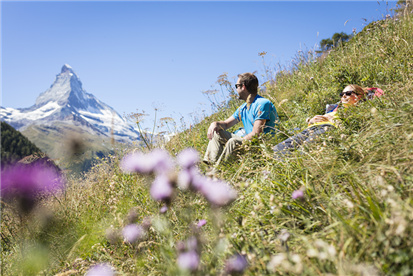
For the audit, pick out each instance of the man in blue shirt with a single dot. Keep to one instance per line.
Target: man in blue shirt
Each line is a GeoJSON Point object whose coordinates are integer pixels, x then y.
{"type": "Point", "coordinates": [257, 114]}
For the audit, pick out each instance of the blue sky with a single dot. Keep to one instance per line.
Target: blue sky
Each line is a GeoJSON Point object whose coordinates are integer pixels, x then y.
{"type": "Point", "coordinates": [141, 55]}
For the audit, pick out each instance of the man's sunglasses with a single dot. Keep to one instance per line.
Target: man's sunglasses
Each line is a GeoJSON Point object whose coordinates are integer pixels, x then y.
{"type": "Point", "coordinates": [347, 93]}
{"type": "Point", "coordinates": [238, 85]}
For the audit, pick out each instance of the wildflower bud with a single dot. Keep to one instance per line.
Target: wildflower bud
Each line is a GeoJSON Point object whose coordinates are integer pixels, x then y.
{"type": "Point", "coordinates": [101, 270]}
{"type": "Point", "coordinates": [236, 265]}
{"type": "Point", "coordinates": [201, 223]}
{"type": "Point", "coordinates": [132, 217]}
{"type": "Point", "coordinates": [158, 161]}
{"type": "Point", "coordinates": [163, 209]}
{"type": "Point", "coordinates": [146, 223]}
{"type": "Point", "coordinates": [161, 188]}
{"type": "Point", "coordinates": [188, 158]}
{"type": "Point", "coordinates": [112, 235]}
{"type": "Point", "coordinates": [298, 194]}
{"type": "Point", "coordinates": [133, 232]}
{"type": "Point", "coordinates": [188, 260]}
{"type": "Point", "coordinates": [218, 193]}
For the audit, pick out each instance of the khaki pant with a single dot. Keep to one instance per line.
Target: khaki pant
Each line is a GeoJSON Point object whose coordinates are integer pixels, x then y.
{"type": "Point", "coordinates": [221, 147]}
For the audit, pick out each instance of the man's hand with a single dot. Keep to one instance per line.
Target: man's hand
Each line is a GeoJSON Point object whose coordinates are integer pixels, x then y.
{"type": "Point", "coordinates": [212, 129]}
{"type": "Point", "coordinates": [217, 126]}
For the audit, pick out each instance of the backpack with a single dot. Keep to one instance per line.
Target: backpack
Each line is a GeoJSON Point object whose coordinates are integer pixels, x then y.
{"type": "Point", "coordinates": [373, 92]}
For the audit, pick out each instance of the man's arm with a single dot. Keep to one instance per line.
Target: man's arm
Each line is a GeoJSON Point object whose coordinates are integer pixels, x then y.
{"type": "Point", "coordinates": [256, 129]}
{"type": "Point", "coordinates": [216, 126]}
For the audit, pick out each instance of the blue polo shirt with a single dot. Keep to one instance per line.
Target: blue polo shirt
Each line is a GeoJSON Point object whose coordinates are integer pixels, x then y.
{"type": "Point", "coordinates": [260, 109]}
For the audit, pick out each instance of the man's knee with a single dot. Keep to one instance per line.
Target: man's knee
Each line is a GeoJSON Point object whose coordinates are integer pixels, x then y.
{"type": "Point", "coordinates": [233, 142]}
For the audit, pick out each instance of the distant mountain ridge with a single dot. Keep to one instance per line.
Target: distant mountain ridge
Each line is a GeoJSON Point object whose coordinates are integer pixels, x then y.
{"type": "Point", "coordinates": [67, 101]}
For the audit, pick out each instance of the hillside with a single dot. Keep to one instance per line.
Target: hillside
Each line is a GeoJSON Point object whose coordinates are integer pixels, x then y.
{"type": "Point", "coordinates": [354, 218]}
{"type": "Point", "coordinates": [14, 146]}
{"type": "Point", "coordinates": [71, 146]}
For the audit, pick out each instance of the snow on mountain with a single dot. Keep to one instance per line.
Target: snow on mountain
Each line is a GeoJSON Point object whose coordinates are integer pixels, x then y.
{"type": "Point", "coordinates": [66, 100]}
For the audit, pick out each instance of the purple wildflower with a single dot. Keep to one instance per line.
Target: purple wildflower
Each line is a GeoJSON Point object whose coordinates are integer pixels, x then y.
{"type": "Point", "coordinates": [101, 270]}
{"type": "Point", "coordinates": [133, 232]}
{"type": "Point", "coordinates": [158, 161]}
{"type": "Point", "coordinates": [26, 182]}
{"type": "Point", "coordinates": [236, 265]}
{"type": "Point", "coordinates": [187, 178]}
{"type": "Point", "coordinates": [298, 194]}
{"type": "Point", "coordinates": [201, 223]}
{"type": "Point", "coordinates": [163, 209]}
{"type": "Point", "coordinates": [188, 158]}
{"type": "Point", "coordinates": [198, 181]}
{"type": "Point", "coordinates": [188, 260]}
{"type": "Point", "coordinates": [162, 161]}
{"type": "Point", "coordinates": [184, 179]}
{"type": "Point", "coordinates": [217, 193]}
{"type": "Point", "coordinates": [161, 188]}
{"type": "Point", "coordinates": [136, 162]}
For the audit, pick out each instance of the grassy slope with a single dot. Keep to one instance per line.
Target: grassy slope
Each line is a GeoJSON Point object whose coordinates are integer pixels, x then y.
{"type": "Point", "coordinates": [356, 218]}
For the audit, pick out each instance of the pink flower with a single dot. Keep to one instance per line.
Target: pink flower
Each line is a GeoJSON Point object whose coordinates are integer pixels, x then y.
{"type": "Point", "coordinates": [101, 270]}
{"type": "Point", "coordinates": [217, 193]}
{"type": "Point", "coordinates": [236, 265]}
{"type": "Point", "coordinates": [24, 182]}
{"type": "Point", "coordinates": [133, 232]}
{"type": "Point", "coordinates": [187, 178]}
{"type": "Point", "coordinates": [158, 161]}
{"type": "Point", "coordinates": [188, 158]}
{"type": "Point", "coordinates": [136, 162]}
{"type": "Point", "coordinates": [188, 260]}
{"type": "Point", "coordinates": [201, 223]}
{"type": "Point", "coordinates": [161, 188]}
{"type": "Point", "coordinates": [298, 194]}
{"type": "Point", "coordinates": [163, 209]}
{"type": "Point", "coordinates": [162, 161]}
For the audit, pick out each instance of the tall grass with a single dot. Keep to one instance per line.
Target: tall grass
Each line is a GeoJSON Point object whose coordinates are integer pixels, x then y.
{"type": "Point", "coordinates": [355, 216]}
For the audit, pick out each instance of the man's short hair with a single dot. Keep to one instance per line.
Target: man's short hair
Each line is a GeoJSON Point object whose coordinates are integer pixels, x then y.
{"type": "Point", "coordinates": [250, 81]}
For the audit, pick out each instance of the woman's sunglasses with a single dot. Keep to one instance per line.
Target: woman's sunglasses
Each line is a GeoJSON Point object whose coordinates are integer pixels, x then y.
{"type": "Point", "coordinates": [347, 93]}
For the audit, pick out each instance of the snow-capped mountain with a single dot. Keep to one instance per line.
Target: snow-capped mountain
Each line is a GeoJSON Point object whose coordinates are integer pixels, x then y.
{"type": "Point", "coordinates": [66, 101]}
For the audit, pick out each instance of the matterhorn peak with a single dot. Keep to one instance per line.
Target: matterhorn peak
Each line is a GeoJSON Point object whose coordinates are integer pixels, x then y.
{"type": "Point", "coordinates": [65, 84]}
{"type": "Point", "coordinates": [66, 68]}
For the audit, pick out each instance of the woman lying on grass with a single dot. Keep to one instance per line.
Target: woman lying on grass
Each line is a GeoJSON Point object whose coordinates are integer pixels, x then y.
{"type": "Point", "coordinates": [319, 124]}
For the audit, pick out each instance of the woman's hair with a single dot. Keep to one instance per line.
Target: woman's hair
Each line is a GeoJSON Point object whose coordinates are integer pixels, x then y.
{"type": "Point", "coordinates": [358, 89]}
